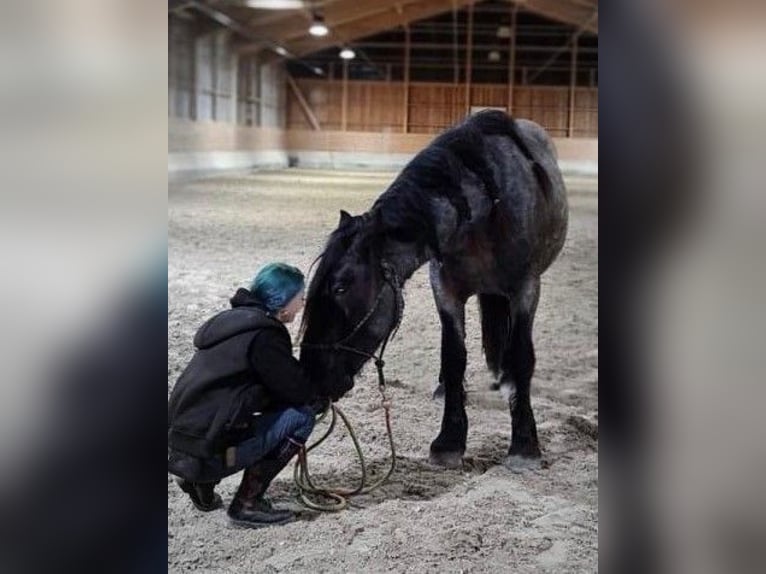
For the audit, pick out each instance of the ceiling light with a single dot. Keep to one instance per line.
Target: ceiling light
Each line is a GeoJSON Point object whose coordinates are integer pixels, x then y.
{"type": "Point", "coordinates": [318, 27]}
{"type": "Point", "coordinates": [280, 50]}
{"type": "Point", "coordinates": [347, 54]}
{"type": "Point", "coordinates": [275, 4]}
{"type": "Point", "coordinates": [493, 56]}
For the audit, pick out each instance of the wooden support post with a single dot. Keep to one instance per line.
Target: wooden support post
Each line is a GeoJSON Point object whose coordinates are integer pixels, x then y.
{"type": "Point", "coordinates": [240, 97]}
{"type": "Point", "coordinates": [456, 74]}
{"type": "Point", "coordinates": [258, 91]}
{"type": "Point", "coordinates": [193, 91]}
{"type": "Point", "coordinates": [512, 58]}
{"type": "Point", "coordinates": [388, 73]}
{"type": "Point", "coordinates": [406, 115]}
{"type": "Point", "coordinates": [572, 85]}
{"type": "Point", "coordinates": [232, 65]}
{"type": "Point", "coordinates": [213, 75]}
{"type": "Point", "coordinates": [307, 111]}
{"type": "Point", "coordinates": [344, 100]}
{"type": "Point", "coordinates": [468, 60]}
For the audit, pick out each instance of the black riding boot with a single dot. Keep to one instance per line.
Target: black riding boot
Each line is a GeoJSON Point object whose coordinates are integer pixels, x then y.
{"type": "Point", "coordinates": [202, 494]}
{"type": "Point", "coordinates": [249, 507]}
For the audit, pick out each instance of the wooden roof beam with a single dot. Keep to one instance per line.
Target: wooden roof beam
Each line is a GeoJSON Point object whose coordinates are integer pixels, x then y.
{"type": "Point", "coordinates": [374, 24]}
{"type": "Point", "coordinates": [335, 14]}
{"type": "Point", "coordinates": [566, 11]}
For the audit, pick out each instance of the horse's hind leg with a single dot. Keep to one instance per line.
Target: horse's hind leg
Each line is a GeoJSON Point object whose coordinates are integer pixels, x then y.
{"type": "Point", "coordinates": [449, 446]}
{"type": "Point", "coordinates": [518, 367]}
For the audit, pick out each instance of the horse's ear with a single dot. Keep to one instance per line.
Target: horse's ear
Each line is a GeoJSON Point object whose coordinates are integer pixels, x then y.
{"type": "Point", "coordinates": [344, 217]}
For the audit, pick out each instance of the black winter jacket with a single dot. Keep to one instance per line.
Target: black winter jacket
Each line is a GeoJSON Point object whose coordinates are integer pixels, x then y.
{"type": "Point", "coordinates": [243, 364]}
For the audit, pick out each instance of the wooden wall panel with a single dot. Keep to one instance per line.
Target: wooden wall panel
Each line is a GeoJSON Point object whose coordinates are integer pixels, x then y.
{"type": "Point", "coordinates": [191, 136]}
{"type": "Point", "coordinates": [187, 136]}
{"type": "Point", "coordinates": [357, 142]}
{"type": "Point", "coordinates": [375, 107]}
{"type": "Point", "coordinates": [580, 149]}
{"type": "Point", "coordinates": [433, 107]}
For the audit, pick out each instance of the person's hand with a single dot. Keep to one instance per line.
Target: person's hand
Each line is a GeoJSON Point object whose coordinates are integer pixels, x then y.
{"type": "Point", "coordinates": [320, 405]}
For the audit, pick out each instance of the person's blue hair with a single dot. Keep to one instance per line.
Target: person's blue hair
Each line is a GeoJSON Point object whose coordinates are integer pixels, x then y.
{"type": "Point", "coordinates": [276, 284]}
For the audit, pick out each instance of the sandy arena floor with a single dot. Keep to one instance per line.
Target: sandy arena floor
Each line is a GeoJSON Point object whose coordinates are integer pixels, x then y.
{"type": "Point", "coordinates": [483, 518]}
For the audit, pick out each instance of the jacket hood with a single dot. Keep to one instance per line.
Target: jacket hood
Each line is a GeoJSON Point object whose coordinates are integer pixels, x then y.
{"type": "Point", "coordinates": [244, 316]}
{"type": "Point", "coordinates": [244, 298]}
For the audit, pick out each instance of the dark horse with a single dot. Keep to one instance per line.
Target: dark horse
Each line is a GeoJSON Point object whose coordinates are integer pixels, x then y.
{"type": "Point", "coordinates": [485, 205]}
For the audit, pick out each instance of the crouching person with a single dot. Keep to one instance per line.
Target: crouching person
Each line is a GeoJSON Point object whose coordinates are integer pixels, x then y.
{"type": "Point", "coordinates": [243, 401]}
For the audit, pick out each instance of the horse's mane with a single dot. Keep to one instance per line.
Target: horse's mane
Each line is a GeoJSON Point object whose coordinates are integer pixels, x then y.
{"type": "Point", "coordinates": [437, 172]}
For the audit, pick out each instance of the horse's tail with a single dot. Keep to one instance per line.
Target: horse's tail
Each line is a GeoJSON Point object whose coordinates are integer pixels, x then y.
{"type": "Point", "coordinates": [495, 313]}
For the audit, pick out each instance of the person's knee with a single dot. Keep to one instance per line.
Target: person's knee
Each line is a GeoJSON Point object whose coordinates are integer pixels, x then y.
{"type": "Point", "coordinates": [301, 422]}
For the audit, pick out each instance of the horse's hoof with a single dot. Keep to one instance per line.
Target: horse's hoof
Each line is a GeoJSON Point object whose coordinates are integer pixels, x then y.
{"type": "Point", "coordinates": [438, 392]}
{"type": "Point", "coordinates": [519, 463]}
{"type": "Point", "coordinates": [447, 459]}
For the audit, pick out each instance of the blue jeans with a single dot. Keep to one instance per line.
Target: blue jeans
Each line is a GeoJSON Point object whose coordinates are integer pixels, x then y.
{"type": "Point", "coordinates": [272, 429]}
{"type": "Point", "coordinates": [268, 431]}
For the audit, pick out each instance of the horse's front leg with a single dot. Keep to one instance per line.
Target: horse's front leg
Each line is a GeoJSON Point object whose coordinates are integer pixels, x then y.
{"type": "Point", "coordinates": [448, 448]}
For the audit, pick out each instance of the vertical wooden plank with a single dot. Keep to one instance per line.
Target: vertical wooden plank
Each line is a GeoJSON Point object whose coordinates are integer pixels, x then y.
{"type": "Point", "coordinates": [512, 58]}
{"type": "Point", "coordinates": [344, 98]}
{"type": "Point", "coordinates": [572, 84]}
{"type": "Point", "coordinates": [468, 62]}
{"type": "Point", "coordinates": [406, 120]}
{"type": "Point", "coordinates": [456, 73]}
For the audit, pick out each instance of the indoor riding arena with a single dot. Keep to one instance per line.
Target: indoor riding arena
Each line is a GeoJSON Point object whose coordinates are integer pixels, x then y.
{"type": "Point", "coordinates": [281, 114]}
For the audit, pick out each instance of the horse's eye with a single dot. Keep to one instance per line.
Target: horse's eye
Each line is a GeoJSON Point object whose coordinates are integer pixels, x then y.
{"type": "Point", "coordinates": [340, 290]}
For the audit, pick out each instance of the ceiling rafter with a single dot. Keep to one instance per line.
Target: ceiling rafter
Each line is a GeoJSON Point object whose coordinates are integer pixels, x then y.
{"type": "Point", "coordinates": [579, 14]}
{"type": "Point", "coordinates": [372, 25]}
{"type": "Point", "coordinates": [350, 20]}
{"type": "Point", "coordinates": [338, 13]}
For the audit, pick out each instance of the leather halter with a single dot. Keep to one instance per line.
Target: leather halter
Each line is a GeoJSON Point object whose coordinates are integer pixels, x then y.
{"type": "Point", "coordinates": [392, 280]}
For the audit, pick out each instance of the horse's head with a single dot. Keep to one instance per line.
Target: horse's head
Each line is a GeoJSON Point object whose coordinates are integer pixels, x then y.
{"type": "Point", "coordinates": [352, 305]}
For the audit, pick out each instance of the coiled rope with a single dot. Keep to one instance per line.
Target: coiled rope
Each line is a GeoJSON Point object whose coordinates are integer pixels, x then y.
{"type": "Point", "coordinates": [340, 496]}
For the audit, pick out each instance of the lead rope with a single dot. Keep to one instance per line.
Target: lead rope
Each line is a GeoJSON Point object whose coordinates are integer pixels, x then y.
{"type": "Point", "coordinates": [340, 495]}
{"type": "Point", "coordinates": [301, 473]}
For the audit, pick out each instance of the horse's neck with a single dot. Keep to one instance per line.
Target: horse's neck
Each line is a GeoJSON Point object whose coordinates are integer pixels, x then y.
{"type": "Point", "coordinates": [405, 257]}
{"type": "Point", "coordinates": [405, 263]}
